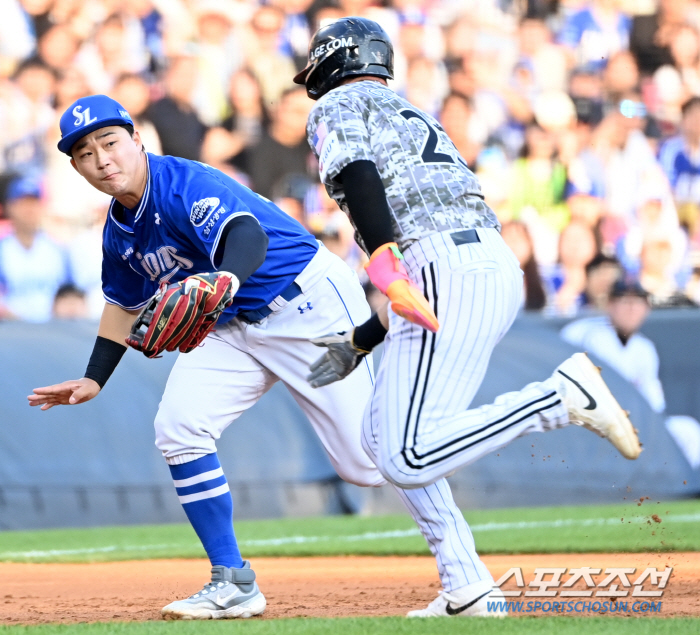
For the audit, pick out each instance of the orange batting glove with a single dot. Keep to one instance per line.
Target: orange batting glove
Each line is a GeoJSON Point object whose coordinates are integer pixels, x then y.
{"type": "Point", "coordinates": [387, 273]}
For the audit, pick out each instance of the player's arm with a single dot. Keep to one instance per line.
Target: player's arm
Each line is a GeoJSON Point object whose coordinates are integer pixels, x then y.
{"type": "Point", "coordinates": [106, 355]}
{"type": "Point", "coordinates": [242, 249]}
{"type": "Point", "coordinates": [366, 200]}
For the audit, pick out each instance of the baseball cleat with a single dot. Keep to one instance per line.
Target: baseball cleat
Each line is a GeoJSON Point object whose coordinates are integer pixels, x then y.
{"type": "Point", "coordinates": [232, 593]}
{"type": "Point", "coordinates": [465, 602]}
{"type": "Point", "coordinates": [591, 404]}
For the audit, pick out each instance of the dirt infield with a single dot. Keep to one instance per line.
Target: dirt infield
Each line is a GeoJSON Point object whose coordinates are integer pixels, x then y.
{"type": "Point", "coordinates": [295, 587]}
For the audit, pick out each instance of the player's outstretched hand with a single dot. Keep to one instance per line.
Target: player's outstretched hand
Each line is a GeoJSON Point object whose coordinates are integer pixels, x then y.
{"type": "Point", "coordinates": [67, 393]}
{"type": "Point", "coordinates": [337, 362]}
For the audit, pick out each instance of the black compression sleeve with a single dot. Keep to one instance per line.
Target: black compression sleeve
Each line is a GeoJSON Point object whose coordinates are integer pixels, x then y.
{"type": "Point", "coordinates": [242, 248]}
{"type": "Point", "coordinates": [104, 359]}
{"type": "Point", "coordinates": [369, 334]}
{"type": "Point", "coordinates": [366, 199]}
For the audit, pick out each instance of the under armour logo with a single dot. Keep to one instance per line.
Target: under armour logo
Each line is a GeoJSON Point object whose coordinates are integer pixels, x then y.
{"type": "Point", "coordinates": [157, 219]}
{"type": "Point", "coordinates": [304, 307]}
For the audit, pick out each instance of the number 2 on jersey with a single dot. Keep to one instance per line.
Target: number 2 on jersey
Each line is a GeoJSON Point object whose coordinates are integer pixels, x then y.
{"type": "Point", "coordinates": [429, 155]}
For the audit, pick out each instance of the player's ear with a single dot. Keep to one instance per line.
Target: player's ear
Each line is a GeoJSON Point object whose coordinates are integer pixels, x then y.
{"type": "Point", "coordinates": [137, 140]}
{"type": "Point", "coordinates": [75, 167]}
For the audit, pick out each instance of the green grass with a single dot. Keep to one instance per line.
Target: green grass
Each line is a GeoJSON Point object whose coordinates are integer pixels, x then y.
{"type": "Point", "coordinates": [527, 530]}
{"type": "Point", "coordinates": [383, 626]}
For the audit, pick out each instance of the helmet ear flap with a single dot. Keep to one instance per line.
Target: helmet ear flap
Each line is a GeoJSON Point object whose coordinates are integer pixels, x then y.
{"type": "Point", "coordinates": [379, 52]}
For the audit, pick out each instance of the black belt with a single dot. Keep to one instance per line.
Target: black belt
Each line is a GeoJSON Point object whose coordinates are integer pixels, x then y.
{"type": "Point", "coordinates": [256, 315]}
{"type": "Point", "coordinates": [465, 236]}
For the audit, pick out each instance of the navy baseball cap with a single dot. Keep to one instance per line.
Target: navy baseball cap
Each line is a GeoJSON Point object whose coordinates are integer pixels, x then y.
{"type": "Point", "coordinates": [628, 287]}
{"type": "Point", "coordinates": [23, 187]}
{"type": "Point", "coordinates": [87, 115]}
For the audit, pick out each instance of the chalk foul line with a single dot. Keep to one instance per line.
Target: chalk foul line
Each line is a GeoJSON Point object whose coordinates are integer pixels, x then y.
{"type": "Point", "coordinates": [366, 536]}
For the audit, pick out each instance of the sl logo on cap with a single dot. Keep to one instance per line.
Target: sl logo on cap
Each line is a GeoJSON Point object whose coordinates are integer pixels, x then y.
{"type": "Point", "coordinates": [82, 118]}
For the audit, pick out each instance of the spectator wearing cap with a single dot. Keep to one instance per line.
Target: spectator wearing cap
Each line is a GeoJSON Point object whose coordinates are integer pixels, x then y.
{"type": "Point", "coordinates": [32, 265]}
{"type": "Point", "coordinates": [595, 32]}
{"type": "Point", "coordinates": [680, 158]}
{"type": "Point", "coordinates": [616, 340]}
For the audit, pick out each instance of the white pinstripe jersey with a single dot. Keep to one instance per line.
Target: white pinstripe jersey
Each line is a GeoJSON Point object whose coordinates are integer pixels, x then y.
{"type": "Point", "coordinates": [428, 184]}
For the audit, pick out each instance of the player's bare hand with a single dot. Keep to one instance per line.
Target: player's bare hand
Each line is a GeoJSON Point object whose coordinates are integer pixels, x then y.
{"type": "Point", "coordinates": [68, 393]}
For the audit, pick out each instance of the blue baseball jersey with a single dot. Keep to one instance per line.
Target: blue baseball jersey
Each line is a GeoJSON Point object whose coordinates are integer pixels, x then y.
{"type": "Point", "coordinates": [176, 229]}
{"type": "Point", "coordinates": [595, 42]}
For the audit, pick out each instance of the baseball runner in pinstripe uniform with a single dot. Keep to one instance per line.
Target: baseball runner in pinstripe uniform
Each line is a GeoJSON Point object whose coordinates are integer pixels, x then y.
{"type": "Point", "coordinates": [454, 288]}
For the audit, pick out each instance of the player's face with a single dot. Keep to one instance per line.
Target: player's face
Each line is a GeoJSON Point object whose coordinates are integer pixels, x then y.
{"type": "Point", "coordinates": [111, 161]}
{"type": "Point", "coordinates": [628, 313]}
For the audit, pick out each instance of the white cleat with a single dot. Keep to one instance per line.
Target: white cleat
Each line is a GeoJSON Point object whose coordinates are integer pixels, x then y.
{"type": "Point", "coordinates": [591, 404]}
{"type": "Point", "coordinates": [463, 603]}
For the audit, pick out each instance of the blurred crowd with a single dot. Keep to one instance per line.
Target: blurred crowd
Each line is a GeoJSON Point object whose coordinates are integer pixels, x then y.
{"type": "Point", "coordinates": [580, 117]}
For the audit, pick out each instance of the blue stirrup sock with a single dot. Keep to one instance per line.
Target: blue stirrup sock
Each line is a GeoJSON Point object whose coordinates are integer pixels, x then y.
{"type": "Point", "coordinates": [205, 496]}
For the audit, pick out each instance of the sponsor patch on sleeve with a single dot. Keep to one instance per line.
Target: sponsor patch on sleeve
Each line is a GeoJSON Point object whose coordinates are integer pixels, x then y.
{"type": "Point", "coordinates": [320, 137]}
{"type": "Point", "coordinates": [330, 151]}
{"type": "Point", "coordinates": [201, 210]}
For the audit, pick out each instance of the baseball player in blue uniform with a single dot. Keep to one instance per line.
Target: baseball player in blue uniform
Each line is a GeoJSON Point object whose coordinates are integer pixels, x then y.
{"type": "Point", "coordinates": [420, 215]}
{"type": "Point", "coordinates": [172, 220]}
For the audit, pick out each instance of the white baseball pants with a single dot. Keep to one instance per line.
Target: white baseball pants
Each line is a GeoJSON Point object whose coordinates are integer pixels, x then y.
{"type": "Point", "coordinates": [417, 426]}
{"type": "Point", "coordinates": [240, 362]}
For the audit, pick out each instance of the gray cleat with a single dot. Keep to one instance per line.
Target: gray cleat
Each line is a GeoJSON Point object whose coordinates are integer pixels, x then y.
{"type": "Point", "coordinates": [231, 593]}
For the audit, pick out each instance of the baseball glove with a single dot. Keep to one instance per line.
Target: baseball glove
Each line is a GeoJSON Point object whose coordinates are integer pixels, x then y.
{"type": "Point", "coordinates": [181, 315]}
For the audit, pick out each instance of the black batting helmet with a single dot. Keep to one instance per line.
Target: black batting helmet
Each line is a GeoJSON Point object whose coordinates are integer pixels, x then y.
{"type": "Point", "coordinates": [346, 48]}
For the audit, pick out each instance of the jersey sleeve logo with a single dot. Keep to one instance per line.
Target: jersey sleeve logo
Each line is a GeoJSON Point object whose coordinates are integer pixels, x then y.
{"type": "Point", "coordinates": [320, 136]}
{"type": "Point", "coordinates": [201, 210]}
{"type": "Point", "coordinates": [327, 146]}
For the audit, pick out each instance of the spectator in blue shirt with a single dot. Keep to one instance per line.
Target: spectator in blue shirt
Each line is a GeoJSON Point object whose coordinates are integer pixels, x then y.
{"type": "Point", "coordinates": [596, 32]}
{"type": "Point", "coordinates": [680, 158]}
{"type": "Point", "coordinates": [32, 265]}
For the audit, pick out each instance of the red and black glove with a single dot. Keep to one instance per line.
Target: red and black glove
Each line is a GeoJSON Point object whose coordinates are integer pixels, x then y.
{"type": "Point", "coordinates": [182, 314]}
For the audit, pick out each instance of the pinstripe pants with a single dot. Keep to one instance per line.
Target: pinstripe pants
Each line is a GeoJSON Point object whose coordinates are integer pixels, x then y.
{"type": "Point", "coordinates": [417, 426]}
